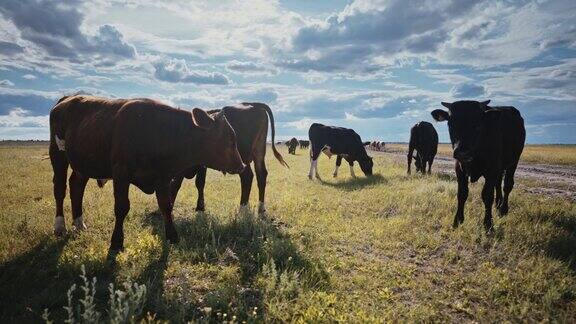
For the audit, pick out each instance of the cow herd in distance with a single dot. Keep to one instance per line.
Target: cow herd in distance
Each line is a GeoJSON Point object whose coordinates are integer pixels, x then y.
{"type": "Point", "coordinates": [153, 146]}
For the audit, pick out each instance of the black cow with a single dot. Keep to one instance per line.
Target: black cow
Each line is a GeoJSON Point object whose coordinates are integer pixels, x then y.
{"type": "Point", "coordinates": [304, 144]}
{"type": "Point", "coordinates": [423, 139]}
{"type": "Point", "coordinates": [292, 144]}
{"type": "Point", "coordinates": [343, 142]}
{"type": "Point", "coordinates": [366, 143]}
{"type": "Point", "coordinates": [488, 142]}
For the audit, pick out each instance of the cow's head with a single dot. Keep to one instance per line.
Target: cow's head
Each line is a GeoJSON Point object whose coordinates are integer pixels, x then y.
{"type": "Point", "coordinates": [219, 148]}
{"type": "Point", "coordinates": [467, 120]}
{"type": "Point", "coordinates": [366, 165]}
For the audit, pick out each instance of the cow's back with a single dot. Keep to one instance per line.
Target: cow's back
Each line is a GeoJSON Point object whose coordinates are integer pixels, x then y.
{"type": "Point", "coordinates": [250, 123]}
{"type": "Point", "coordinates": [513, 134]}
{"type": "Point", "coordinates": [424, 138]}
{"type": "Point", "coordinates": [86, 123]}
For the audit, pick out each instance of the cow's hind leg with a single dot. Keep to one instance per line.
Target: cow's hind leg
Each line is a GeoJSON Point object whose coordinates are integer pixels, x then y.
{"type": "Point", "coordinates": [77, 184]}
{"type": "Point", "coordinates": [508, 185]}
{"type": "Point", "coordinates": [121, 209]}
{"type": "Point", "coordinates": [246, 178]}
{"type": "Point", "coordinates": [60, 167]}
{"type": "Point", "coordinates": [166, 207]}
{"type": "Point", "coordinates": [261, 176]}
{"type": "Point", "coordinates": [488, 199]}
{"type": "Point", "coordinates": [430, 161]}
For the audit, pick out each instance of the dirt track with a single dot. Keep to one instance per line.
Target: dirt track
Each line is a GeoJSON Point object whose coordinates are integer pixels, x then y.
{"type": "Point", "coordinates": [544, 179]}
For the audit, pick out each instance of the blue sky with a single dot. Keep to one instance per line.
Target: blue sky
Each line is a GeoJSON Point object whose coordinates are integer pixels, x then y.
{"type": "Point", "coordinates": [377, 66]}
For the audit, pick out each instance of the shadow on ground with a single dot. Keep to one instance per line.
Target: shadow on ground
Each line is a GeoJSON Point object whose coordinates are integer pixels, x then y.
{"type": "Point", "coordinates": [351, 184]}
{"type": "Point", "coordinates": [223, 262]}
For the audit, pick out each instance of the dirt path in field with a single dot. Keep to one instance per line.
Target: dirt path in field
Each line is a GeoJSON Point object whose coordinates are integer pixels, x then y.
{"type": "Point", "coordinates": [544, 179]}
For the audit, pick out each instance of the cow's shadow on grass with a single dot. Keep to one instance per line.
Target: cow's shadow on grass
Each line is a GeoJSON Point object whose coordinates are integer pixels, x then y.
{"type": "Point", "coordinates": [246, 243]}
{"type": "Point", "coordinates": [351, 184]}
{"type": "Point", "coordinates": [562, 245]}
{"type": "Point", "coordinates": [28, 282]}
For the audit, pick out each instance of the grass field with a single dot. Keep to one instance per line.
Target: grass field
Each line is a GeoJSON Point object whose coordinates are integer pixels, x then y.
{"type": "Point", "coordinates": [349, 250]}
{"type": "Point", "coordinates": [549, 154]}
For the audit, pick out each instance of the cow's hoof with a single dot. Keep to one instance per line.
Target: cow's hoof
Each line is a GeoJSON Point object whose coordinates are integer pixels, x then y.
{"type": "Point", "coordinates": [78, 224]}
{"type": "Point", "coordinates": [455, 225]}
{"type": "Point", "coordinates": [59, 226]}
{"type": "Point", "coordinates": [200, 208]}
{"type": "Point", "coordinates": [261, 208]}
{"type": "Point", "coordinates": [503, 210]}
{"type": "Point", "coordinates": [310, 176]}
{"type": "Point", "coordinates": [335, 175]}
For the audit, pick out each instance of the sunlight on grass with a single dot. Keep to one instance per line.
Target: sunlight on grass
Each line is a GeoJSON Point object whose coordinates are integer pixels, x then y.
{"type": "Point", "coordinates": [337, 249]}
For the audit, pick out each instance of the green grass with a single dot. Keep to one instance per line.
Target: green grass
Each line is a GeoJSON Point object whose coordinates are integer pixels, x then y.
{"type": "Point", "coordinates": [350, 250]}
{"type": "Point", "coordinates": [548, 154]}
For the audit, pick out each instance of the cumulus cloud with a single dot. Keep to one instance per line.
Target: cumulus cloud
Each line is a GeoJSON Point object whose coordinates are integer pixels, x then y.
{"type": "Point", "coordinates": [467, 91]}
{"type": "Point", "coordinates": [176, 70]}
{"type": "Point", "coordinates": [477, 33]}
{"type": "Point", "coordinates": [29, 77]}
{"type": "Point", "coordinates": [54, 26]}
{"type": "Point", "coordinates": [250, 67]}
{"type": "Point", "coordinates": [6, 83]}
{"type": "Point", "coordinates": [9, 48]}
{"type": "Point", "coordinates": [32, 103]}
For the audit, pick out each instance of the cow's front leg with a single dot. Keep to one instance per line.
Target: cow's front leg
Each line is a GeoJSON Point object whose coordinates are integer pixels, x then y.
{"type": "Point", "coordinates": [338, 163]}
{"type": "Point", "coordinates": [200, 184]}
{"type": "Point", "coordinates": [462, 195]}
{"type": "Point", "coordinates": [488, 199]}
{"type": "Point", "coordinates": [166, 207]}
{"type": "Point", "coordinates": [175, 185]}
{"type": "Point", "coordinates": [77, 183]}
{"type": "Point", "coordinates": [121, 209]}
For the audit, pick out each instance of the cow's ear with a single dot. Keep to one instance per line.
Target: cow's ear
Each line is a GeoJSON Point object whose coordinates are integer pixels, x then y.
{"type": "Point", "coordinates": [446, 104]}
{"type": "Point", "coordinates": [440, 115]}
{"type": "Point", "coordinates": [485, 103]}
{"type": "Point", "coordinates": [202, 119]}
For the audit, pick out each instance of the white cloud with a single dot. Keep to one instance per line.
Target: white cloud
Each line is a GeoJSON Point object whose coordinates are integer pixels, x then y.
{"type": "Point", "coordinates": [176, 70]}
{"type": "Point", "coordinates": [6, 83]}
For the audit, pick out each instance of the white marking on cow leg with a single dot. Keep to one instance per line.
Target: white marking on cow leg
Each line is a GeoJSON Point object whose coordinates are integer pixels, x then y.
{"type": "Point", "coordinates": [312, 167]}
{"type": "Point", "coordinates": [59, 226]}
{"type": "Point", "coordinates": [60, 143]}
{"type": "Point", "coordinates": [78, 224]}
{"type": "Point", "coordinates": [336, 172]}
{"type": "Point", "coordinates": [261, 207]}
{"type": "Point", "coordinates": [352, 172]}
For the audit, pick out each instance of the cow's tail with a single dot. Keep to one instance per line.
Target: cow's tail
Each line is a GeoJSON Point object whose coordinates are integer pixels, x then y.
{"type": "Point", "coordinates": [277, 154]}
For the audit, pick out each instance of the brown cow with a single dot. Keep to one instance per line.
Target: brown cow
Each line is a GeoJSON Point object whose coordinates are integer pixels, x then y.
{"type": "Point", "coordinates": [250, 122]}
{"type": "Point", "coordinates": [133, 141]}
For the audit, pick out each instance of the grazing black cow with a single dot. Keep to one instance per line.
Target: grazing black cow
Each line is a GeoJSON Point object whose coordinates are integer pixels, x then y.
{"type": "Point", "coordinates": [366, 143]}
{"type": "Point", "coordinates": [343, 142]}
{"type": "Point", "coordinates": [292, 144]}
{"type": "Point", "coordinates": [487, 141]}
{"type": "Point", "coordinates": [423, 139]}
{"type": "Point", "coordinates": [304, 144]}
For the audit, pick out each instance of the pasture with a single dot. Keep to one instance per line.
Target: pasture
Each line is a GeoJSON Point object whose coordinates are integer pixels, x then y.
{"type": "Point", "coordinates": [561, 154]}
{"type": "Point", "coordinates": [351, 250]}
